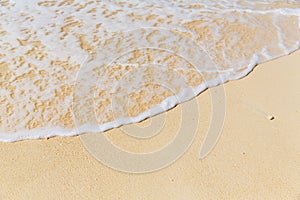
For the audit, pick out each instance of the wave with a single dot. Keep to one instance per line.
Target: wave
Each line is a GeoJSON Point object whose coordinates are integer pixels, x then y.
{"type": "Point", "coordinates": [70, 67]}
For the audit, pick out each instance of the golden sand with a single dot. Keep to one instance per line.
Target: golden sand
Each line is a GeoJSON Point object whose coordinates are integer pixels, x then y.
{"type": "Point", "coordinates": [255, 158]}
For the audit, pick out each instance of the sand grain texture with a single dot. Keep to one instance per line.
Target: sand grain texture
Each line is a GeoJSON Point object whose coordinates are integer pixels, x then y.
{"type": "Point", "coordinates": [255, 158]}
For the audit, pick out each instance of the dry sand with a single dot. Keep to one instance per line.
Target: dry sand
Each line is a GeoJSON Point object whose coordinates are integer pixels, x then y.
{"type": "Point", "coordinates": [255, 158]}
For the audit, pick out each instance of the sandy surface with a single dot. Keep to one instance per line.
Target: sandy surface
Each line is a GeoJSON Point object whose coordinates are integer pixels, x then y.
{"type": "Point", "coordinates": [255, 158]}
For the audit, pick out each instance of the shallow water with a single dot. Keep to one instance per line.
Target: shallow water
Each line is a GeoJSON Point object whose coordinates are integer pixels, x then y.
{"type": "Point", "coordinates": [69, 67]}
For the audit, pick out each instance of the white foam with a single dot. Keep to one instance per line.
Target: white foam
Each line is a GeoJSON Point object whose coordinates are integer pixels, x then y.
{"type": "Point", "coordinates": [45, 46]}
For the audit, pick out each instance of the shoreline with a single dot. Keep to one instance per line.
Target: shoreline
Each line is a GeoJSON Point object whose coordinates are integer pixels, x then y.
{"type": "Point", "coordinates": [254, 158]}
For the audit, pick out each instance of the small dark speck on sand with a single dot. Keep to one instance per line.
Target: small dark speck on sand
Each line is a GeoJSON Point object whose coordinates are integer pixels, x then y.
{"type": "Point", "coordinates": [271, 118]}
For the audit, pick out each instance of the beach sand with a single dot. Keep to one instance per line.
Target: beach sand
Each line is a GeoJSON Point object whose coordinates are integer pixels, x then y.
{"type": "Point", "coordinates": [255, 158]}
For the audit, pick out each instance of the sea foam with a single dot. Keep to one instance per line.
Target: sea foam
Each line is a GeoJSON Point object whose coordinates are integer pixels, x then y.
{"type": "Point", "coordinates": [68, 67]}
